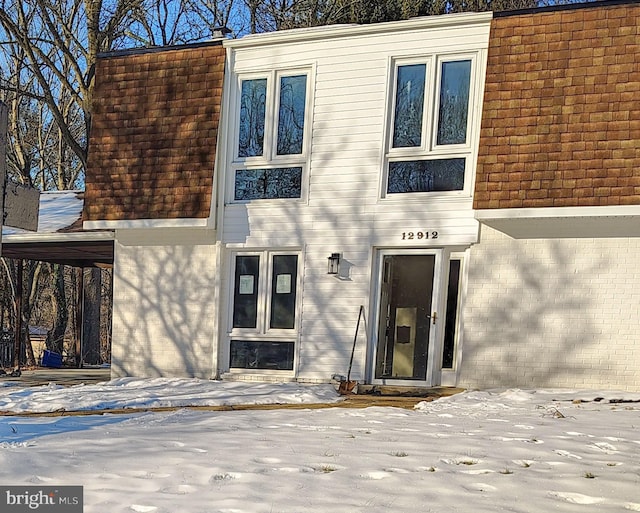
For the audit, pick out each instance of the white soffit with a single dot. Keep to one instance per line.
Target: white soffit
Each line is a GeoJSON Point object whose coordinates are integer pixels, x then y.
{"type": "Point", "coordinates": [564, 222]}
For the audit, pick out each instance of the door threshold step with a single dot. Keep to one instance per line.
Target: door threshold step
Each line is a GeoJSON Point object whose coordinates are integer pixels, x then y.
{"type": "Point", "coordinates": [407, 391]}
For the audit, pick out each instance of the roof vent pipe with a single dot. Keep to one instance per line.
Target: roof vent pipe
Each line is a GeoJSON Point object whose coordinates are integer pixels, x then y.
{"type": "Point", "coordinates": [220, 33]}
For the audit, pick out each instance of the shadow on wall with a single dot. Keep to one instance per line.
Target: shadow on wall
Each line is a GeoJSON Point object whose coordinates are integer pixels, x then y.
{"type": "Point", "coordinates": [163, 318]}
{"type": "Point", "coordinates": [328, 221]}
{"type": "Point", "coordinates": [530, 320]}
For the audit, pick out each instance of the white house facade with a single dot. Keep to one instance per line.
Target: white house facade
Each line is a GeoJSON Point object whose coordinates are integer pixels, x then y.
{"type": "Point", "coordinates": [450, 200]}
{"type": "Point", "coordinates": [357, 144]}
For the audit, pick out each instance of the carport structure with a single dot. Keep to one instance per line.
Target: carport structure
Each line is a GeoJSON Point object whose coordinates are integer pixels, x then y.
{"type": "Point", "coordinates": [60, 239]}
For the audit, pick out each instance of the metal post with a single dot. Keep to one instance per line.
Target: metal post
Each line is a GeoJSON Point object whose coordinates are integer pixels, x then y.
{"type": "Point", "coordinates": [18, 327]}
{"type": "Point", "coordinates": [79, 317]}
{"type": "Point", "coordinates": [3, 163]}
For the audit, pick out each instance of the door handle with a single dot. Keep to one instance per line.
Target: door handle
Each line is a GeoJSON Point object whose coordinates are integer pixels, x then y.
{"type": "Point", "coordinates": [433, 317]}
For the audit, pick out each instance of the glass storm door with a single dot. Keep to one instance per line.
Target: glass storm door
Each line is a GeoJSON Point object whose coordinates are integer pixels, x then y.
{"type": "Point", "coordinates": [406, 319]}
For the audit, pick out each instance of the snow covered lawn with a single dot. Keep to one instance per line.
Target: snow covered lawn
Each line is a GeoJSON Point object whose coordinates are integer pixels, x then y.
{"type": "Point", "coordinates": [510, 450]}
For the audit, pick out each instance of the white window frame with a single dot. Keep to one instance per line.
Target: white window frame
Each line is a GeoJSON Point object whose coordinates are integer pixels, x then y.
{"type": "Point", "coordinates": [466, 146]}
{"type": "Point", "coordinates": [427, 114]}
{"type": "Point", "coordinates": [269, 158]}
{"type": "Point", "coordinates": [429, 149]}
{"type": "Point", "coordinates": [263, 309]}
{"type": "Point", "coordinates": [449, 376]}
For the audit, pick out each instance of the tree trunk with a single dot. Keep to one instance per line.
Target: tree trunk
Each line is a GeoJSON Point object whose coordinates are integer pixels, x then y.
{"type": "Point", "coordinates": [18, 326]}
{"type": "Point", "coordinates": [92, 278]}
{"type": "Point", "coordinates": [32, 285]}
{"type": "Point", "coordinates": [55, 339]}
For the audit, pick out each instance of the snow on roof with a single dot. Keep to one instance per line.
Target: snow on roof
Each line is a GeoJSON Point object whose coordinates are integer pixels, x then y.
{"type": "Point", "coordinates": [59, 210]}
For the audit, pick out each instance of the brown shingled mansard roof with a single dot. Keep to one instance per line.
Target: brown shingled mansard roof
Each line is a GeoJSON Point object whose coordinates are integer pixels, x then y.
{"type": "Point", "coordinates": [154, 130]}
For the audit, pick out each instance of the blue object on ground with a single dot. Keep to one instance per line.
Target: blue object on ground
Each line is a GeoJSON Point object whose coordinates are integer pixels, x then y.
{"type": "Point", "coordinates": [51, 359]}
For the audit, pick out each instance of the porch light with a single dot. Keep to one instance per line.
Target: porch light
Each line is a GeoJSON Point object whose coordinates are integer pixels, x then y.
{"type": "Point", "coordinates": [334, 263]}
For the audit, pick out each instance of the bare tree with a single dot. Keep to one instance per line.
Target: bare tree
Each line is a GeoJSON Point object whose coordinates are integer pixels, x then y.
{"type": "Point", "coordinates": [270, 15]}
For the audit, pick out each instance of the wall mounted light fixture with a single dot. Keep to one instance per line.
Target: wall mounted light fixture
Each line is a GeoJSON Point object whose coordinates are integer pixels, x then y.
{"type": "Point", "coordinates": [333, 263]}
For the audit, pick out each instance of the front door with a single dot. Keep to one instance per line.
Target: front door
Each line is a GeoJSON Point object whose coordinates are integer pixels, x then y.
{"type": "Point", "coordinates": [406, 318]}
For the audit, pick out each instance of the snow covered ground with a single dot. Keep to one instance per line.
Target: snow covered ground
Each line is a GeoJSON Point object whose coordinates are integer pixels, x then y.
{"type": "Point", "coordinates": [510, 450]}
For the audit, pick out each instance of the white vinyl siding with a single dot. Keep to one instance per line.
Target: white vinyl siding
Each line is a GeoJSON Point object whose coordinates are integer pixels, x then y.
{"type": "Point", "coordinates": [342, 209]}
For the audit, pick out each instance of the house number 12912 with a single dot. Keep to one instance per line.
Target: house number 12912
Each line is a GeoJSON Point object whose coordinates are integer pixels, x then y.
{"type": "Point", "coordinates": [419, 235]}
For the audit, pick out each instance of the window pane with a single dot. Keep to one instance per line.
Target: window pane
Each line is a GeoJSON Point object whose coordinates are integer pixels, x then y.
{"type": "Point", "coordinates": [245, 297]}
{"type": "Point", "coordinates": [261, 355]}
{"type": "Point", "coordinates": [293, 91]}
{"type": "Point", "coordinates": [283, 291]}
{"type": "Point", "coordinates": [452, 314]}
{"type": "Point", "coordinates": [426, 176]}
{"type": "Point", "coordinates": [407, 123]}
{"type": "Point", "coordinates": [454, 102]}
{"type": "Point", "coordinates": [252, 113]}
{"type": "Point", "coordinates": [275, 183]}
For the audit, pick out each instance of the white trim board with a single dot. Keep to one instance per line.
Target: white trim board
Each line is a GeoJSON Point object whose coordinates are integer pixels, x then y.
{"type": "Point", "coordinates": [354, 30]}
{"type": "Point", "coordinates": [146, 223]}
{"type": "Point", "coordinates": [25, 238]}
{"type": "Point", "coordinates": [564, 222]}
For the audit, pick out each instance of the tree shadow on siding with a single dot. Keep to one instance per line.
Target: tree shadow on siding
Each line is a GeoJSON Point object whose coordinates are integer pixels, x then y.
{"type": "Point", "coordinates": [163, 292]}
{"type": "Point", "coordinates": [538, 298]}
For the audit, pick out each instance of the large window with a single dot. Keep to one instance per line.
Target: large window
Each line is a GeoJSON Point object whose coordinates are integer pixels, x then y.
{"type": "Point", "coordinates": [263, 322]}
{"type": "Point", "coordinates": [429, 144]}
{"type": "Point", "coordinates": [272, 135]}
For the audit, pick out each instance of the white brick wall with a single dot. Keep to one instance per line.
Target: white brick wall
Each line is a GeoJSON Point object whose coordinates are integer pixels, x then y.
{"type": "Point", "coordinates": [552, 313]}
{"type": "Point", "coordinates": [163, 303]}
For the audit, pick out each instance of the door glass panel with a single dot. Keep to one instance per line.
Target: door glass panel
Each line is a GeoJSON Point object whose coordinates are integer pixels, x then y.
{"type": "Point", "coordinates": [283, 291]}
{"type": "Point", "coordinates": [245, 297]}
{"type": "Point", "coordinates": [451, 315]}
{"type": "Point", "coordinates": [405, 317]}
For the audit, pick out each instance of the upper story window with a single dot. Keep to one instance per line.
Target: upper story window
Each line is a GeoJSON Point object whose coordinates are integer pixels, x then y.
{"type": "Point", "coordinates": [429, 146]}
{"type": "Point", "coordinates": [272, 136]}
{"type": "Point", "coordinates": [253, 106]}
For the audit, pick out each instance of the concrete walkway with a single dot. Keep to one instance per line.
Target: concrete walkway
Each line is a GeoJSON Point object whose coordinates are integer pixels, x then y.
{"type": "Point", "coordinates": [368, 395]}
{"type": "Point", "coordinates": [65, 377]}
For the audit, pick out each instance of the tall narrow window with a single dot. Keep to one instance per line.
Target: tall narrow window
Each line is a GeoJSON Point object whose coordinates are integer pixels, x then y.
{"type": "Point", "coordinates": [283, 292]}
{"type": "Point", "coordinates": [407, 125]}
{"type": "Point", "coordinates": [454, 102]}
{"type": "Point", "coordinates": [253, 98]}
{"type": "Point", "coordinates": [245, 297]}
{"type": "Point", "coordinates": [453, 291]}
{"type": "Point", "coordinates": [293, 92]}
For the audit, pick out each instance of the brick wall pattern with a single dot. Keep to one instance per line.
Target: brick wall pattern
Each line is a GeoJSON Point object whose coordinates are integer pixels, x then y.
{"type": "Point", "coordinates": [552, 313]}
{"type": "Point", "coordinates": [153, 135]}
{"type": "Point", "coordinates": [561, 117]}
